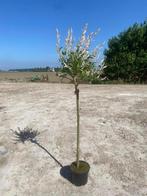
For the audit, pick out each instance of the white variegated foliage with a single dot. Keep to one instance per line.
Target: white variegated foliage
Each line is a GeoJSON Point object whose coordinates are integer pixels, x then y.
{"type": "Point", "coordinates": [78, 59]}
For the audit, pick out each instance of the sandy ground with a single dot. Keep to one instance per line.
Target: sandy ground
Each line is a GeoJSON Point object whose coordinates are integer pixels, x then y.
{"type": "Point", "coordinates": [27, 76]}
{"type": "Point", "coordinates": [113, 139]}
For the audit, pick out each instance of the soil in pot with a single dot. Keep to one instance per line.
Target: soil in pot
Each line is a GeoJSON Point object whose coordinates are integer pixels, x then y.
{"type": "Point", "coordinates": [79, 175]}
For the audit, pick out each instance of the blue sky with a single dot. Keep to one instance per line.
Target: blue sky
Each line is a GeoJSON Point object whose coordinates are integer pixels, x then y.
{"type": "Point", "coordinates": [27, 27]}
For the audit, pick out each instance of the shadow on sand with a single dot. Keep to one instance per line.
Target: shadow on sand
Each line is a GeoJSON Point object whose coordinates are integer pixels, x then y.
{"type": "Point", "coordinates": [65, 172]}
{"type": "Point", "coordinates": [28, 134]}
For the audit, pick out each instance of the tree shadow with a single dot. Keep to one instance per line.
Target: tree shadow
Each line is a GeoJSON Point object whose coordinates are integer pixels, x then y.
{"type": "Point", "coordinates": [28, 134]}
{"type": "Point", "coordinates": [35, 142]}
{"type": "Point", "coordinates": [65, 172]}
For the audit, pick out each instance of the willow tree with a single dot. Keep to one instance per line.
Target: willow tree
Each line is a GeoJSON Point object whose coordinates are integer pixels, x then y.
{"type": "Point", "coordinates": [78, 62]}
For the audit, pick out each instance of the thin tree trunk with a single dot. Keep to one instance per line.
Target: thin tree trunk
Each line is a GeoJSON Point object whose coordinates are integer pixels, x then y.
{"type": "Point", "coordinates": [78, 124]}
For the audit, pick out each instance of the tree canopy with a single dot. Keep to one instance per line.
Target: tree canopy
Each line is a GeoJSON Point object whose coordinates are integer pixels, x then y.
{"type": "Point", "coordinates": [126, 56]}
{"type": "Point", "coordinates": [78, 60]}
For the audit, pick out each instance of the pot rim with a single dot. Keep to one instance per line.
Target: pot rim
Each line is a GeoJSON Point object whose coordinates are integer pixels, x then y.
{"type": "Point", "coordinates": [75, 170]}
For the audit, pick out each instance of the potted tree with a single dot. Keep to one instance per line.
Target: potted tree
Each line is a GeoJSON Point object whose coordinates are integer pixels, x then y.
{"type": "Point", "coordinates": [78, 63]}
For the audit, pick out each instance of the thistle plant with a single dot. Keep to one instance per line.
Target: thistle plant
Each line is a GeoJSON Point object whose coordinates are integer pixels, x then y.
{"type": "Point", "coordinates": [78, 62]}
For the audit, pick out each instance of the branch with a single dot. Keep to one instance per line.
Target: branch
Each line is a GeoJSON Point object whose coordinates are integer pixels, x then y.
{"type": "Point", "coordinates": [65, 76]}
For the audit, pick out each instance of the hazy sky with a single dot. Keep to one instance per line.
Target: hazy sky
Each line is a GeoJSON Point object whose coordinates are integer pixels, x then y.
{"type": "Point", "coordinates": [27, 27]}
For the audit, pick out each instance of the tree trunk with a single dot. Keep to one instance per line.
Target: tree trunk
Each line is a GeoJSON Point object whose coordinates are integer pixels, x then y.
{"type": "Point", "coordinates": [78, 124]}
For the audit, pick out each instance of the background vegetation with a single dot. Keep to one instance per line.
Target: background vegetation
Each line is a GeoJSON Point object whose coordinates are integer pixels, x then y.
{"type": "Point", "coordinates": [126, 56]}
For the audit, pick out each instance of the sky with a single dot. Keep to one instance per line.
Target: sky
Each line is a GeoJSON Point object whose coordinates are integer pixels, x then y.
{"type": "Point", "coordinates": [28, 27]}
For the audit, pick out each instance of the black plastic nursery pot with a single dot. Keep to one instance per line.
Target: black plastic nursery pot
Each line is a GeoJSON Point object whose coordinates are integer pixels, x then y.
{"type": "Point", "coordinates": [79, 176]}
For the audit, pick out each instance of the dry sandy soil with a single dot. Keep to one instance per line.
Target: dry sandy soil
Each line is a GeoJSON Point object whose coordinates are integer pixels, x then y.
{"type": "Point", "coordinates": [27, 76]}
{"type": "Point", "coordinates": [113, 139]}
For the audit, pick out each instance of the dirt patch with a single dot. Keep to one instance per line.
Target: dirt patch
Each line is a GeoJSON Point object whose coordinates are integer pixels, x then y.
{"type": "Point", "coordinates": [2, 107]}
{"type": "Point", "coordinates": [113, 139]}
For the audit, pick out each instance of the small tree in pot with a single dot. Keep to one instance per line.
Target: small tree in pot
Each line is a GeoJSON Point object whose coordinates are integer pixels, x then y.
{"type": "Point", "coordinates": [78, 63]}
